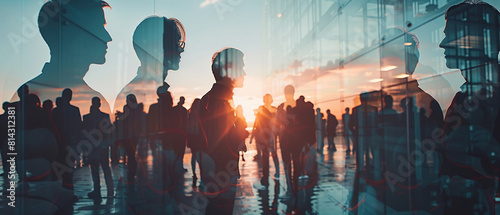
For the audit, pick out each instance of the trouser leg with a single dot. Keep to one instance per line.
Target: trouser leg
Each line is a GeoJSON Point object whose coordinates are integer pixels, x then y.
{"type": "Point", "coordinates": [297, 168]}
{"type": "Point", "coordinates": [131, 162]}
{"type": "Point", "coordinates": [276, 161]}
{"type": "Point", "coordinates": [285, 156]}
{"type": "Point", "coordinates": [104, 160]}
{"type": "Point", "coordinates": [265, 164]}
{"type": "Point", "coordinates": [94, 169]}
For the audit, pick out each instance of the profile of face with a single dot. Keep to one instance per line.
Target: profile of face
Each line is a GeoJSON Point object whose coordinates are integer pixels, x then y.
{"type": "Point", "coordinates": [229, 64]}
{"type": "Point", "coordinates": [471, 36]}
{"type": "Point", "coordinates": [450, 44]}
{"type": "Point", "coordinates": [174, 43]}
{"type": "Point", "coordinates": [158, 43]}
{"type": "Point", "coordinates": [75, 30]}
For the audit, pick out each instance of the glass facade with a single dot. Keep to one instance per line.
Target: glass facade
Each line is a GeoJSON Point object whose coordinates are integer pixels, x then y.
{"type": "Point", "coordinates": [392, 56]}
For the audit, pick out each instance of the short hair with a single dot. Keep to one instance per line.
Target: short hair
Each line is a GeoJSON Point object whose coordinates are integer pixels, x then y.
{"type": "Point", "coordinates": [226, 62]}
{"type": "Point", "coordinates": [388, 99]}
{"type": "Point", "coordinates": [479, 14]}
{"type": "Point", "coordinates": [162, 90]}
{"type": "Point", "coordinates": [468, 6]}
{"type": "Point", "coordinates": [166, 98]}
{"type": "Point", "coordinates": [23, 91]}
{"type": "Point", "coordinates": [32, 100]}
{"type": "Point", "coordinates": [52, 17]}
{"type": "Point", "coordinates": [155, 35]}
{"type": "Point", "coordinates": [59, 101]}
{"type": "Point", "coordinates": [96, 100]}
{"type": "Point", "coordinates": [364, 96]}
{"type": "Point", "coordinates": [47, 103]}
{"type": "Point", "coordinates": [67, 94]}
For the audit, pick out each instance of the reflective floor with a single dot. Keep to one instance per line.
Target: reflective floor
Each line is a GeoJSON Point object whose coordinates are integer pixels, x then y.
{"type": "Point", "coordinates": [329, 194]}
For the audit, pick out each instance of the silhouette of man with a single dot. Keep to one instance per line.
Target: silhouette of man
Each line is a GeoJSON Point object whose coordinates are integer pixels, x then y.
{"type": "Point", "coordinates": [362, 123]}
{"type": "Point", "coordinates": [180, 115]}
{"type": "Point", "coordinates": [99, 156]}
{"type": "Point", "coordinates": [264, 136]}
{"type": "Point", "coordinates": [347, 131]}
{"type": "Point", "coordinates": [331, 129]}
{"type": "Point", "coordinates": [68, 121]}
{"type": "Point", "coordinates": [223, 139]}
{"type": "Point", "coordinates": [158, 43]}
{"type": "Point", "coordinates": [403, 53]}
{"type": "Point", "coordinates": [163, 126]}
{"type": "Point", "coordinates": [302, 135]}
{"type": "Point", "coordinates": [74, 31]}
{"type": "Point", "coordinates": [133, 128]}
{"type": "Point", "coordinates": [471, 129]}
{"type": "Point", "coordinates": [285, 125]}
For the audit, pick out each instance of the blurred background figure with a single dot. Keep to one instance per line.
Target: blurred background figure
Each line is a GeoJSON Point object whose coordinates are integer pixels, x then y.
{"type": "Point", "coordinates": [195, 137]}
{"type": "Point", "coordinates": [241, 127]}
{"type": "Point", "coordinates": [347, 131]}
{"type": "Point", "coordinates": [99, 156]}
{"type": "Point", "coordinates": [331, 129]}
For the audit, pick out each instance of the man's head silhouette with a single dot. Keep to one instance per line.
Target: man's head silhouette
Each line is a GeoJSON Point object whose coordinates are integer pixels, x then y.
{"type": "Point", "coordinates": [363, 97]}
{"type": "Point", "coordinates": [227, 67]}
{"type": "Point", "coordinates": [23, 91]}
{"type": "Point", "coordinates": [48, 105]}
{"type": "Point", "coordinates": [388, 101]}
{"type": "Point", "coordinates": [159, 42]}
{"type": "Point", "coordinates": [59, 102]}
{"type": "Point", "coordinates": [67, 95]}
{"type": "Point", "coordinates": [164, 95]}
{"type": "Point", "coordinates": [74, 30]}
{"type": "Point", "coordinates": [471, 35]}
{"type": "Point", "coordinates": [96, 101]}
{"type": "Point", "coordinates": [182, 100]}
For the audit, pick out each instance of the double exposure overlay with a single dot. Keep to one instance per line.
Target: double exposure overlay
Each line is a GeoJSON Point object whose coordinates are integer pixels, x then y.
{"type": "Point", "coordinates": [250, 107]}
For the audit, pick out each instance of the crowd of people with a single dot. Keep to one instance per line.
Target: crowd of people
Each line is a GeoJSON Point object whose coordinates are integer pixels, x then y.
{"type": "Point", "coordinates": [453, 149]}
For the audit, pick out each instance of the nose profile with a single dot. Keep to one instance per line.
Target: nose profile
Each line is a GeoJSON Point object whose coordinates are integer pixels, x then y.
{"type": "Point", "coordinates": [441, 44]}
{"type": "Point", "coordinates": [108, 37]}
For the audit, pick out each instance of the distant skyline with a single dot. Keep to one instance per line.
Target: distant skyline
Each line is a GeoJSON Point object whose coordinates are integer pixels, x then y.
{"type": "Point", "coordinates": [210, 26]}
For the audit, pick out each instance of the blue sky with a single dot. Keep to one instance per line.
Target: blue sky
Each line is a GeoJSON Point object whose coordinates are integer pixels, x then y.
{"type": "Point", "coordinates": [210, 26]}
